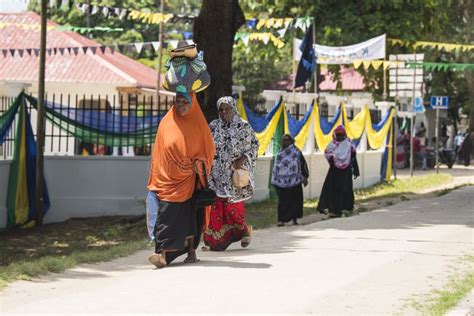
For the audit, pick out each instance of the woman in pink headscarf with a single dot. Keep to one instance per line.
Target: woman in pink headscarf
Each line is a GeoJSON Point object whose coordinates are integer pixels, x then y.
{"type": "Point", "coordinates": [337, 193]}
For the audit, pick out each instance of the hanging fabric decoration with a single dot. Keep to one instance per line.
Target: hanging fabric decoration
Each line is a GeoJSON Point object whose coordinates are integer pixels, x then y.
{"type": "Point", "coordinates": [7, 118]}
{"type": "Point", "coordinates": [300, 129]}
{"type": "Point", "coordinates": [324, 129]}
{"type": "Point", "coordinates": [377, 133]}
{"type": "Point", "coordinates": [356, 127]}
{"type": "Point", "coordinates": [94, 126]}
{"type": "Point", "coordinates": [387, 158]}
{"type": "Point", "coordinates": [21, 209]}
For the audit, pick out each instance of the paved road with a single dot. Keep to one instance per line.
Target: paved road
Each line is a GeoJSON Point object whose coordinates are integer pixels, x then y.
{"type": "Point", "coordinates": [366, 264]}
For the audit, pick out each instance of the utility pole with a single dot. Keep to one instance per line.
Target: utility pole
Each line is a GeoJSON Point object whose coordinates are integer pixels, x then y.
{"type": "Point", "coordinates": [39, 203]}
{"type": "Point", "coordinates": [412, 127]}
{"type": "Point", "coordinates": [160, 53]}
{"type": "Point", "coordinates": [315, 59]}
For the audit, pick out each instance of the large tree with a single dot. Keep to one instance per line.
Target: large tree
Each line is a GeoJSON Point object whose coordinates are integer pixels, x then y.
{"type": "Point", "coordinates": [214, 31]}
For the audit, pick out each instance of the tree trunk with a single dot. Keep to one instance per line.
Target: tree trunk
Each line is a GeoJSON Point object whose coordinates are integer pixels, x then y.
{"type": "Point", "coordinates": [468, 74]}
{"type": "Point", "coordinates": [214, 31]}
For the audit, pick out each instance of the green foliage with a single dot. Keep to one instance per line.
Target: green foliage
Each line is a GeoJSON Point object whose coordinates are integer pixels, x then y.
{"type": "Point", "coordinates": [257, 66]}
{"type": "Point", "coordinates": [340, 23]}
{"type": "Point", "coordinates": [337, 23]}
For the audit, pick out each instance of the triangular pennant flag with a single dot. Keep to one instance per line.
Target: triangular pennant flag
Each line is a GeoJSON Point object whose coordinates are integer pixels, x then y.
{"type": "Point", "coordinates": [84, 49]}
{"type": "Point", "coordinates": [93, 49]}
{"type": "Point", "coordinates": [366, 64]}
{"type": "Point", "coordinates": [61, 50]}
{"type": "Point", "coordinates": [386, 65]}
{"type": "Point", "coordinates": [49, 51]}
{"type": "Point", "coordinates": [282, 32]}
{"type": "Point", "coordinates": [117, 11]}
{"type": "Point", "coordinates": [261, 23]}
{"type": "Point", "coordinates": [266, 38]}
{"type": "Point", "coordinates": [138, 47]}
{"type": "Point", "coordinates": [173, 44]}
{"type": "Point", "coordinates": [65, 4]}
{"type": "Point", "coordinates": [121, 48]}
{"type": "Point", "coordinates": [187, 35]}
{"type": "Point", "coordinates": [288, 21]}
{"type": "Point", "coordinates": [123, 14]}
{"type": "Point", "coordinates": [55, 51]}
{"type": "Point", "coordinates": [12, 52]}
{"type": "Point", "coordinates": [4, 53]}
{"type": "Point", "coordinates": [95, 9]}
{"type": "Point", "coordinates": [36, 51]}
{"type": "Point", "coordinates": [376, 64]}
{"type": "Point", "coordinates": [85, 8]}
{"type": "Point", "coordinates": [246, 39]}
{"type": "Point", "coordinates": [252, 23]}
{"type": "Point", "coordinates": [156, 46]}
{"type": "Point", "coordinates": [106, 11]}
{"type": "Point", "coordinates": [112, 48]}
{"type": "Point", "coordinates": [357, 63]}
{"type": "Point", "coordinates": [29, 51]}
{"type": "Point", "coordinates": [102, 49]}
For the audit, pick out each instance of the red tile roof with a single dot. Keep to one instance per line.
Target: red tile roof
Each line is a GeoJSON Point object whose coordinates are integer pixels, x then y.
{"type": "Point", "coordinates": [99, 68]}
{"type": "Point", "coordinates": [351, 81]}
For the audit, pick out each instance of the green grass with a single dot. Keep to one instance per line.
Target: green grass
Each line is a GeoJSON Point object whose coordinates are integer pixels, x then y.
{"type": "Point", "coordinates": [56, 247]}
{"type": "Point", "coordinates": [401, 187]}
{"type": "Point", "coordinates": [439, 302]}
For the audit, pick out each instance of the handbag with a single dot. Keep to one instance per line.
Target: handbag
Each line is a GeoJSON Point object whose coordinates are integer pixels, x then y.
{"type": "Point", "coordinates": [203, 196]}
{"type": "Point", "coordinates": [240, 178]}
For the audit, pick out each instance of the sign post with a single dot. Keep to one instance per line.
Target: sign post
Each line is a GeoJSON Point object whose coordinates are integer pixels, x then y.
{"type": "Point", "coordinates": [438, 103]}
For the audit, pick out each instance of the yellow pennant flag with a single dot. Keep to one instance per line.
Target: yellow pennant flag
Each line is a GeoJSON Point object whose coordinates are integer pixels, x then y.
{"type": "Point", "coordinates": [376, 64]}
{"type": "Point", "coordinates": [357, 63]}
{"type": "Point", "coordinates": [366, 64]}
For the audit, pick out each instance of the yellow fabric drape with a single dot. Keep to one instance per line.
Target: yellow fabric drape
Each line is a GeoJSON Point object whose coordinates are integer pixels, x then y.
{"type": "Point", "coordinates": [302, 137]}
{"type": "Point", "coordinates": [375, 139]}
{"type": "Point", "coordinates": [323, 139]}
{"type": "Point", "coordinates": [241, 108]}
{"type": "Point", "coordinates": [388, 174]}
{"type": "Point", "coordinates": [265, 137]}
{"type": "Point", "coordinates": [356, 127]}
{"type": "Point", "coordinates": [21, 201]}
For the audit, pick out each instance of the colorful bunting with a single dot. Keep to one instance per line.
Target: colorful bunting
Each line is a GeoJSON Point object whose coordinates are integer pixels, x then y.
{"type": "Point", "coordinates": [122, 48]}
{"type": "Point", "coordinates": [262, 37]}
{"type": "Point", "coordinates": [436, 45]}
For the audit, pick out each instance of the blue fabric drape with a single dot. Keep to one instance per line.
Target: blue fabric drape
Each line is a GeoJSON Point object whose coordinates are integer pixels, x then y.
{"type": "Point", "coordinates": [258, 122]}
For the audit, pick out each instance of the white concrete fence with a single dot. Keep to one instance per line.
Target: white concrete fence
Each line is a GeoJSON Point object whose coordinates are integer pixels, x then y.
{"type": "Point", "coordinates": [105, 186]}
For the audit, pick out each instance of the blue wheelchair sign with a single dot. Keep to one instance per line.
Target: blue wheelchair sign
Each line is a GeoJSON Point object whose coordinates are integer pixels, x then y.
{"type": "Point", "coordinates": [439, 102]}
{"type": "Point", "coordinates": [418, 105]}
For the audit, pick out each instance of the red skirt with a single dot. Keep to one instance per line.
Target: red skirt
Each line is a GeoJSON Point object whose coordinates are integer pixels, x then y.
{"type": "Point", "coordinates": [226, 225]}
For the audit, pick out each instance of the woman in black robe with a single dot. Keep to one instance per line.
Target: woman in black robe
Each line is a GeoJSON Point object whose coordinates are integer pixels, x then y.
{"type": "Point", "coordinates": [289, 175]}
{"type": "Point", "coordinates": [337, 193]}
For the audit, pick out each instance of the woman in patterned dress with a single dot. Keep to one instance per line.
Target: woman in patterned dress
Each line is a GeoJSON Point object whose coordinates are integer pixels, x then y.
{"type": "Point", "coordinates": [236, 148]}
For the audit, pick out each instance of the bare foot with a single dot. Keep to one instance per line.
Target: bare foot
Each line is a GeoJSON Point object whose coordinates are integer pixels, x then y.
{"type": "Point", "coordinates": [157, 260]}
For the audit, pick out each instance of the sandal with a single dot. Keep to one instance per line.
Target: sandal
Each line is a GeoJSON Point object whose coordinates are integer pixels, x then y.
{"type": "Point", "coordinates": [245, 242]}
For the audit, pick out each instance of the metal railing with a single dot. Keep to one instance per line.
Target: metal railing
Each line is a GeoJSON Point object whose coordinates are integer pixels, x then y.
{"type": "Point", "coordinates": [60, 142]}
